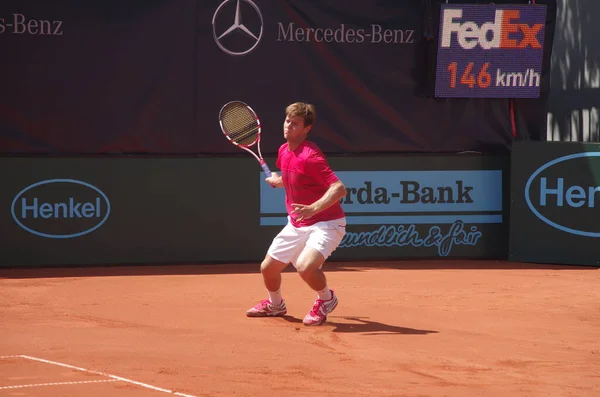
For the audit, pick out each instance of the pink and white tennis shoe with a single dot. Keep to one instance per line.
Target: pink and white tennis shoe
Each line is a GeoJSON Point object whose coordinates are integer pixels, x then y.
{"type": "Point", "coordinates": [320, 310]}
{"type": "Point", "coordinates": [266, 309]}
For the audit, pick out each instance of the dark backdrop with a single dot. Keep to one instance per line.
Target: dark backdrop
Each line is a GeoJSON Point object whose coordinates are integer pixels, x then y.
{"type": "Point", "coordinates": [149, 76]}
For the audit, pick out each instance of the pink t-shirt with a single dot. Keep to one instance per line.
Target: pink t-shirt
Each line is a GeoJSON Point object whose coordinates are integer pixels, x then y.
{"type": "Point", "coordinates": [306, 177]}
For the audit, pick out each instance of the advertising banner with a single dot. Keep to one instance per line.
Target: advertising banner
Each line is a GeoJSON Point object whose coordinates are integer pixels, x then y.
{"type": "Point", "coordinates": [555, 196]}
{"type": "Point", "coordinates": [403, 207]}
{"type": "Point", "coordinates": [77, 211]}
{"type": "Point", "coordinates": [149, 77]}
{"type": "Point", "coordinates": [430, 211]}
{"type": "Point", "coordinates": [490, 50]}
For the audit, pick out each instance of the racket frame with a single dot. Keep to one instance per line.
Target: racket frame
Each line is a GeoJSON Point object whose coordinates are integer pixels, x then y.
{"type": "Point", "coordinates": [256, 142]}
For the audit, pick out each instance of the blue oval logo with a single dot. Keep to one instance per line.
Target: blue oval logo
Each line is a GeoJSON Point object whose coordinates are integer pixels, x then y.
{"type": "Point", "coordinates": [579, 193]}
{"type": "Point", "coordinates": [68, 209]}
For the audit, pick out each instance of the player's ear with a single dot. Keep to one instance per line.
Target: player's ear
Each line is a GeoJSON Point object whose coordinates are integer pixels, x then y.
{"type": "Point", "coordinates": [306, 129]}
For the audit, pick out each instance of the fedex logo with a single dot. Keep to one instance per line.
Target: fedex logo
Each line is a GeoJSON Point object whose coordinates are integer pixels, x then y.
{"type": "Point", "coordinates": [502, 33]}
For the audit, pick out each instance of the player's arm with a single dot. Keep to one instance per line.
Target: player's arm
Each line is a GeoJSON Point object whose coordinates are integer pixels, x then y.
{"type": "Point", "coordinates": [335, 193]}
{"type": "Point", "coordinates": [275, 180]}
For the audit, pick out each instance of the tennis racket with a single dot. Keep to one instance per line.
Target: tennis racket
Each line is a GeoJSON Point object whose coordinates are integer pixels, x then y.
{"type": "Point", "coordinates": [241, 126]}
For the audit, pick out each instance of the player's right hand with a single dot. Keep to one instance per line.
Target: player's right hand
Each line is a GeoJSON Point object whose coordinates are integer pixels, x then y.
{"type": "Point", "coordinates": [274, 180]}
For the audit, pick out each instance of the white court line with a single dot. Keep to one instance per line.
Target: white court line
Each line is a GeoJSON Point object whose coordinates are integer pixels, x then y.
{"type": "Point", "coordinates": [58, 383]}
{"type": "Point", "coordinates": [147, 386]}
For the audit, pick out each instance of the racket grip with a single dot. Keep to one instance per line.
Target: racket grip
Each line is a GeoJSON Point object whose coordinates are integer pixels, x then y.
{"type": "Point", "coordinates": [265, 168]}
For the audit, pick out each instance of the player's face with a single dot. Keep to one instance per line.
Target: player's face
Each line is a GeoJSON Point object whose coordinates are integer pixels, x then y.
{"type": "Point", "coordinates": [294, 129]}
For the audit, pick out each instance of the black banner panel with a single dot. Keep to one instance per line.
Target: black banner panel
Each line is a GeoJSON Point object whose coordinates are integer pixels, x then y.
{"type": "Point", "coordinates": [149, 77]}
{"type": "Point", "coordinates": [77, 211]}
{"type": "Point", "coordinates": [555, 201]}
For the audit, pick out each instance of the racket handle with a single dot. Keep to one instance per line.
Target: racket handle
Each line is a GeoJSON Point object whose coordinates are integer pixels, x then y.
{"type": "Point", "coordinates": [265, 168]}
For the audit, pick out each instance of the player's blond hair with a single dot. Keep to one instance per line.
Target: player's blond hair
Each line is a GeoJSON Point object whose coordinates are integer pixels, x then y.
{"type": "Point", "coordinates": [305, 110]}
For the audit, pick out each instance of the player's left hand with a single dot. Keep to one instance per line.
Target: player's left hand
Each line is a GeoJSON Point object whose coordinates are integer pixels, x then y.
{"type": "Point", "coordinates": [303, 211]}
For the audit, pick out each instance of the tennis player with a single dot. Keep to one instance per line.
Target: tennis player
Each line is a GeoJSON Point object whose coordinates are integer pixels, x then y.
{"type": "Point", "coordinates": [316, 221]}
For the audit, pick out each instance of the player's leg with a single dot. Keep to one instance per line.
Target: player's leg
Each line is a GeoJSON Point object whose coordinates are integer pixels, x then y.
{"type": "Point", "coordinates": [323, 239]}
{"type": "Point", "coordinates": [309, 265]}
{"type": "Point", "coordinates": [270, 269]}
{"type": "Point", "coordinates": [283, 250]}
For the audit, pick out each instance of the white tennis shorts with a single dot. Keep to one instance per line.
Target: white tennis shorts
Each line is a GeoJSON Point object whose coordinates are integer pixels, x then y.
{"type": "Point", "coordinates": [322, 236]}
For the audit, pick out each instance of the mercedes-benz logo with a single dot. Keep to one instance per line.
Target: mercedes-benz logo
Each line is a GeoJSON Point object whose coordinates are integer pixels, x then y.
{"type": "Point", "coordinates": [230, 33]}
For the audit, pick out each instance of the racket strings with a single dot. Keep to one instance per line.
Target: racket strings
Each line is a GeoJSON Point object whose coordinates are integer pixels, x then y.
{"type": "Point", "coordinates": [240, 125]}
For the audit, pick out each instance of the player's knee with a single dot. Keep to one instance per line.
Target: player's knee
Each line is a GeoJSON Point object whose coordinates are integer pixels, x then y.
{"type": "Point", "coordinates": [305, 270]}
{"type": "Point", "coordinates": [264, 267]}
{"type": "Point", "coordinates": [268, 267]}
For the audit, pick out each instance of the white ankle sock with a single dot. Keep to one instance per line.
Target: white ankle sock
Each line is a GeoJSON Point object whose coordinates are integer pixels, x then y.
{"type": "Point", "coordinates": [275, 297]}
{"type": "Point", "coordinates": [325, 294]}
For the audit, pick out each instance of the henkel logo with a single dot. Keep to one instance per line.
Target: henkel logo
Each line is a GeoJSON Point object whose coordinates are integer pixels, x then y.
{"type": "Point", "coordinates": [60, 208]}
{"type": "Point", "coordinates": [505, 32]}
{"type": "Point", "coordinates": [565, 194]}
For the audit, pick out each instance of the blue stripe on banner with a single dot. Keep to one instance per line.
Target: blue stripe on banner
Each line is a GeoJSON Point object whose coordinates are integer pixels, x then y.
{"type": "Point", "coordinates": [400, 220]}
{"type": "Point", "coordinates": [407, 191]}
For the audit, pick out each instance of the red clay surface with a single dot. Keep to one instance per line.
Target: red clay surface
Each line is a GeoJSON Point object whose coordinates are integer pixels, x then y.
{"type": "Point", "coordinates": [421, 328]}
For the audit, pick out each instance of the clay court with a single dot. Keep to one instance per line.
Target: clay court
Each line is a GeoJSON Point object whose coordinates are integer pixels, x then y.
{"type": "Point", "coordinates": [411, 328]}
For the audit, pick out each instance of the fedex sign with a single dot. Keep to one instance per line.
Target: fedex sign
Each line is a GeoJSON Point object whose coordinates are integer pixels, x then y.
{"type": "Point", "coordinates": [502, 33]}
{"type": "Point", "coordinates": [478, 46]}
